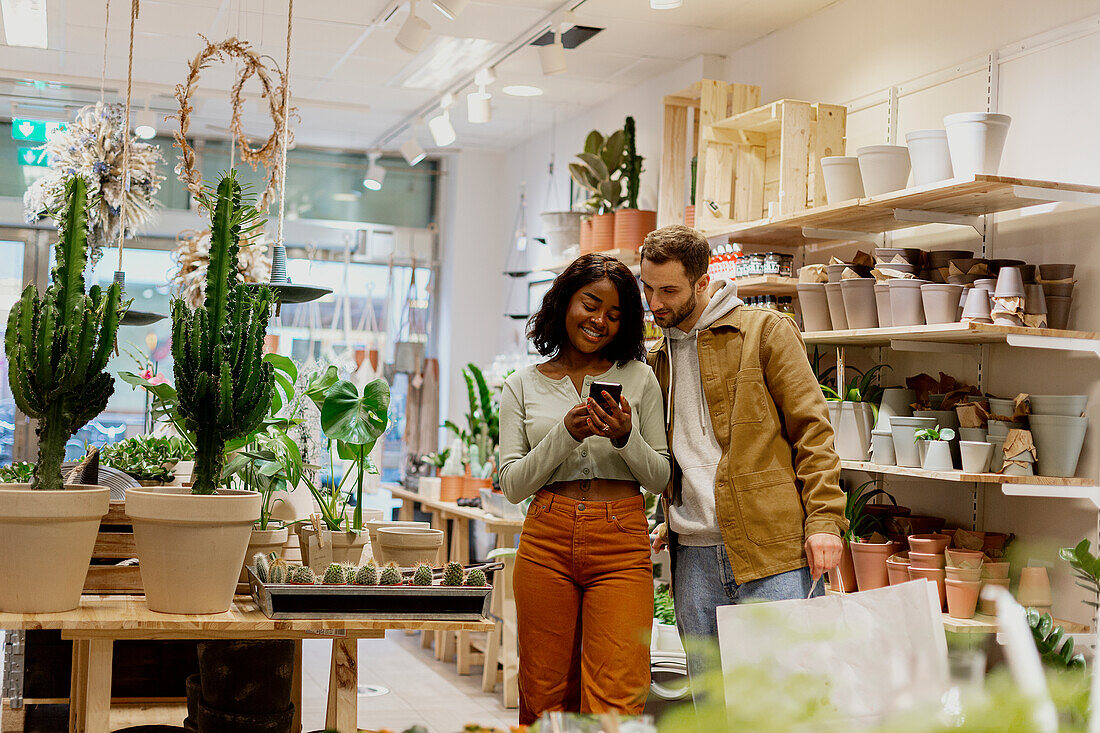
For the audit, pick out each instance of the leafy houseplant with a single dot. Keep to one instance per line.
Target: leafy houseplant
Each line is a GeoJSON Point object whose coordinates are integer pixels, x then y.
{"type": "Point", "coordinates": [1054, 647]}
{"type": "Point", "coordinates": [862, 525]}
{"type": "Point", "coordinates": [632, 224]}
{"type": "Point", "coordinates": [146, 457]}
{"type": "Point", "coordinates": [600, 172]}
{"type": "Point", "coordinates": [857, 413]}
{"type": "Point", "coordinates": [483, 418]}
{"type": "Point", "coordinates": [57, 347]}
{"type": "Point", "coordinates": [224, 391]}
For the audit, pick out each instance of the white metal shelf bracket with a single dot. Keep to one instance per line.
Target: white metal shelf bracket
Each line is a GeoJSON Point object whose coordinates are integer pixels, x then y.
{"type": "Point", "coordinates": [1046, 195]}
{"type": "Point", "coordinates": [971, 350]}
{"type": "Point", "coordinates": [841, 234]}
{"type": "Point", "coordinates": [942, 217]}
{"type": "Point", "coordinates": [1056, 343]}
{"type": "Point", "coordinates": [1092, 493]}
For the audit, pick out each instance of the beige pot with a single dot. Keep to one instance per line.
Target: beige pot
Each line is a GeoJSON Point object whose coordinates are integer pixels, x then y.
{"type": "Point", "coordinates": [46, 541]}
{"type": "Point", "coordinates": [191, 547]}
{"type": "Point", "coordinates": [265, 541]}
{"type": "Point", "coordinates": [372, 528]}
{"type": "Point", "coordinates": [347, 547]}
{"type": "Point", "coordinates": [409, 546]}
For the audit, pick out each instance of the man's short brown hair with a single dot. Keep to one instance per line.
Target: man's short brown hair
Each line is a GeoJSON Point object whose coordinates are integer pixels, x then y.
{"type": "Point", "coordinates": [683, 244]}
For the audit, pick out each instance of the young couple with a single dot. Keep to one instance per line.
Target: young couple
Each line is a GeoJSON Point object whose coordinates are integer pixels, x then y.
{"type": "Point", "coordinates": [752, 501]}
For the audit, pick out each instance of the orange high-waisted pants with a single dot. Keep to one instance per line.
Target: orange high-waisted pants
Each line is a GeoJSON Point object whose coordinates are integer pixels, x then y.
{"type": "Point", "coordinates": [584, 599]}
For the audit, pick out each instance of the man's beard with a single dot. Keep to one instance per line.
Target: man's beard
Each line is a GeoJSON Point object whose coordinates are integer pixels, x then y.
{"type": "Point", "coordinates": [677, 316]}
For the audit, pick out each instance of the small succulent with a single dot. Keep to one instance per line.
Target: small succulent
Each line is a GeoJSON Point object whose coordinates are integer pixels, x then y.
{"type": "Point", "coordinates": [476, 578]}
{"type": "Point", "coordinates": [279, 573]}
{"type": "Point", "coordinates": [423, 575]}
{"type": "Point", "coordinates": [349, 572]}
{"type": "Point", "coordinates": [391, 575]}
{"type": "Point", "coordinates": [262, 567]}
{"type": "Point", "coordinates": [366, 575]}
{"type": "Point", "coordinates": [453, 574]}
{"type": "Point", "coordinates": [334, 575]}
{"type": "Point", "coordinates": [302, 575]}
{"type": "Point", "coordinates": [936, 433]}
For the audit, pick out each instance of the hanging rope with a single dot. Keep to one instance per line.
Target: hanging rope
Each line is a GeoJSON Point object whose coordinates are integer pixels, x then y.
{"type": "Point", "coordinates": [134, 9]}
{"type": "Point", "coordinates": [103, 72]}
{"type": "Point", "coordinates": [286, 98]}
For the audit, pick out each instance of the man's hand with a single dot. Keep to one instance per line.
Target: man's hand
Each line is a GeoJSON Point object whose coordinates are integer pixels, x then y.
{"type": "Point", "coordinates": [823, 553]}
{"type": "Point", "coordinates": [659, 539]}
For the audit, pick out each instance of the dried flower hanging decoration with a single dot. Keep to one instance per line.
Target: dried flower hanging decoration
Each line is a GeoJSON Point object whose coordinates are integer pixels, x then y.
{"type": "Point", "coordinates": [91, 146]}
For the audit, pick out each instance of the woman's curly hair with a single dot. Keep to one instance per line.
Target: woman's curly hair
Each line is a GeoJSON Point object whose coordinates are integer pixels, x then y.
{"type": "Point", "coordinates": [546, 328]}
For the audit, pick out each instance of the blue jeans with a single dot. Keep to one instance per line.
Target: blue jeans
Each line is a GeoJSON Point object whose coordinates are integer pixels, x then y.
{"type": "Point", "coordinates": [703, 581]}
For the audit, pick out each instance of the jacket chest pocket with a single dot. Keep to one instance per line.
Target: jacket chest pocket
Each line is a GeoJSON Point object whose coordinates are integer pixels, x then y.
{"type": "Point", "coordinates": [748, 396]}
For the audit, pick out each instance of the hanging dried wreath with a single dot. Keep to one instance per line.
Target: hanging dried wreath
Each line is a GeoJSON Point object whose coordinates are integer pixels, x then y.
{"type": "Point", "coordinates": [192, 256]}
{"type": "Point", "coordinates": [251, 64]}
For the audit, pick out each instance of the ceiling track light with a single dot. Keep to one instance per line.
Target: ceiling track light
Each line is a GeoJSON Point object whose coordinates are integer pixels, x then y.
{"type": "Point", "coordinates": [411, 150]}
{"type": "Point", "coordinates": [450, 8]}
{"type": "Point", "coordinates": [414, 33]}
{"type": "Point", "coordinates": [479, 110]}
{"type": "Point", "coordinates": [376, 174]}
{"type": "Point", "coordinates": [145, 126]}
{"type": "Point", "coordinates": [552, 55]}
{"type": "Point", "coordinates": [443, 132]}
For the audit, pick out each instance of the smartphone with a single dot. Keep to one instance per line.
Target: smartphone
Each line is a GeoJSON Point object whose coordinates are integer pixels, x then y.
{"type": "Point", "coordinates": [598, 388]}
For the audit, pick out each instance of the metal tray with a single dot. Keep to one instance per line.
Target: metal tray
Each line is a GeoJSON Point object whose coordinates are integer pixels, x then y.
{"type": "Point", "coordinates": [434, 602]}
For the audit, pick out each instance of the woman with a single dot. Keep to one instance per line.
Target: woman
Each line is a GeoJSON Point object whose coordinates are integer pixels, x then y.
{"type": "Point", "coordinates": [583, 577]}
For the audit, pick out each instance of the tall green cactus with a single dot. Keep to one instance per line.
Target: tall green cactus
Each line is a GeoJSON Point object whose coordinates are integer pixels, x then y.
{"type": "Point", "coordinates": [58, 346]}
{"type": "Point", "coordinates": [224, 386]}
{"type": "Point", "coordinates": [632, 164]}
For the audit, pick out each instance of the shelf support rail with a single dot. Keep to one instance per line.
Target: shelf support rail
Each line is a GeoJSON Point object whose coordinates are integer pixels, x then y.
{"type": "Point", "coordinates": [1046, 195]}
{"type": "Point", "coordinates": [976, 222]}
{"type": "Point", "coordinates": [1092, 493]}
{"type": "Point", "coordinates": [843, 234]}
{"type": "Point", "coordinates": [1057, 343]}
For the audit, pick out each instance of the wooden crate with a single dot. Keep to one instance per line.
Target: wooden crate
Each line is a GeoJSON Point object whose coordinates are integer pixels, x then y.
{"type": "Point", "coordinates": [766, 161]}
{"type": "Point", "coordinates": [703, 103]}
{"type": "Point", "coordinates": [114, 542]}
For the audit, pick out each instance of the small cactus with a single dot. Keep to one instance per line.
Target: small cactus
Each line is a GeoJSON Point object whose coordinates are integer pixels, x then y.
{"type": "Point", "coordinates": [391, 575]}
{"type": "Point", "coordinates": [349, 572]}
{"type": "Point", "coordinates": [423, 575]}
{"type": "Point", "coordinates": [453, 574]}
{"type": "Point", "coordinates": [279, 572]}
{"type": "Point", "coordinates": [476, 578]}
{"type": "Point", "coordinates": [366, 575]}
{"type": "Point", "coordinates": [262, 567]}
{"type": "Point", "coordinates": [302, 575]}
{"type": "Point", "coordinates": [334, 575]}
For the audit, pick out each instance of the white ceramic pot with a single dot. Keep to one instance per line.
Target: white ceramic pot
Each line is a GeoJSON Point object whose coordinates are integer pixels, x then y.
{"type": "Point", "coordinates": [930, 156]}
{"type": "Point", "coordinates": [853, 434]}
{"type": "Point", "coordinates": [843, 181]}
{"type": "Point", "coordinates": [666, 637]}
{"type": "Point", "coordinates": [906, 304]}
{"type": "Point", "coordinates": [46, 541]}
{"type": "Point", "coordinates": [429, 487]}
{"type": "Point", "coordinates": [191, 547]}
{"type": "Point", "coordinates": [884, 168]}
{"type": "Point", "coordinates": [941, 302]}
{"type": "Point", "coordinates": [973, 435]}
{"type": "Point", "coordinates": [882, 303]}
{"type": "Point", "coordinates": [562, 230]}
{"type": "Point", "coordinates": [815, 307]}
{"type": "Point", "coordinates": [1071, 405]}
{"type": "Point", "coordinates": [905, 445]}
{"type": "Point", "coordinates": [882, 448]}
{"type": "Point", "coordinates": [860, 307]}
{"type": "Point", "coordinates": [997, 460]}
{"type": "Point", "coordinates": [976, 141]}
{"type": "Point", "coordinates": [937, 455]}
{"type": "Point", "coordinates": [975, 456]}
{"type": "Point", "coordinates": [834, 296]}
{"type": "Point", "coordinates": [896, 401]}
{"type": "Point", "coordinates": [1058, 442]}
{"type": "Point", "coordinates": [372, 530]}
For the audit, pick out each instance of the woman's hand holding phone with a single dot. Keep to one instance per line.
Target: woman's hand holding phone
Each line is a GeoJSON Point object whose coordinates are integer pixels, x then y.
{"type": "Point", "coordinates": [610, 419]}
{"type": "Point", "coordinates": [578, 424]}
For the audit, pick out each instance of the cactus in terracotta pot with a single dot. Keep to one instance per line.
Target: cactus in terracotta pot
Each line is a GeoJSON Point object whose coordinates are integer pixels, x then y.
{"type": "Point", "coordinates": [58, 345]}
{"type": "Point", "coordinates": [391, 575]}
{"type": "Point", "coordinates": [367, 575]}
{"type": "Point", "coordinates": [453, 574]}
{"type": "Point", "coordinates": [224, 386]}
{"type": "Point", "coordinates": [302, 575]}
{"type": "Point", "coordinates": [423, 575]}
{"type": "Point", "coordinates": [476, 578]}
{"type": "Point", "coordinates": [632, 164]}
{"type": "Point", "coordinates": [334, 575]}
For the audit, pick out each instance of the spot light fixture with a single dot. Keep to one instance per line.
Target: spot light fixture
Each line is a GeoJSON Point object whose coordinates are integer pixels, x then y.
{"type": "Point", "coordinates": [450, 8]}
{"type": "Point", "coordinates": [443, 132]}
{"type": "Point", "coordinates": [414, 33]}
{"type": "Point", "coordinates": [376, 174]}
{"type": "Point", "coordinates": [145, 126]}
{"type": "Point", "coordinates": [411, 150]}
{"type": "Point", "coordinates": [552, 55]}
{"type": "Point", "coordinates": [478, 107]}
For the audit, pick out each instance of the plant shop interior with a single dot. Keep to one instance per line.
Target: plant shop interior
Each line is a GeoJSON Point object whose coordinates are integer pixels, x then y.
{"type": "Point", "coordinates": [287, 287]}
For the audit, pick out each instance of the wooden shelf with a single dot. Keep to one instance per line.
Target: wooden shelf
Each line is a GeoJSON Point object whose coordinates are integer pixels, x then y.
{"type": "Point", "coordinates": [766, 285]}
{"type": "Point", "coordinates": [960, 333]}
{"type": "Point", "coordinates": [953, 199]}
{"type": "Point", "coordinates": [963, 477]}
{"type": "Point", "coordinates": [628, 257]}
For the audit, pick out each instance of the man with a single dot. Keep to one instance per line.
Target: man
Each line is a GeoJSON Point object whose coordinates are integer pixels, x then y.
{"type": "Point", "coordinates": [754, 509]}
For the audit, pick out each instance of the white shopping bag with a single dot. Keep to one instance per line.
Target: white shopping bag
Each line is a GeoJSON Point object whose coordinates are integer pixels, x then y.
{"type": "Point", "coordinates": [878, 651]}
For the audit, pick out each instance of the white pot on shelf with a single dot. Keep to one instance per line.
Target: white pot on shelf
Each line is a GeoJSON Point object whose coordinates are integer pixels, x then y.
{"type": "Point", "coordinates": [884, 168]}
{"type": "Point", "coordinates": [976, 141]}
{"type": "Point", "coordinates": [937, 455]}
{"type": "Point", "coordinates": [929, 155]}
{"type": "Point", "coordinates": [843, 181]}
{"type": "Point", "coordinates": [853, 433]}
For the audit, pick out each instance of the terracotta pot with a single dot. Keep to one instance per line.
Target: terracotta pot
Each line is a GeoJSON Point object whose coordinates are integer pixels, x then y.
{"type": "Point", "coordinates": [993, 542]}
{"type": "Point", "coordinates": [860, 306]}
{"type": "Point", "coordinates": [836, 271]}
{"type": "Point", "coordinates": [451, 488]}
{"type": "Point", "coordinates": [998, 570]}
{"type": "Point", "coordinates": [689, 216]}
{"type": "Point", "coordinates": [603, 232]}
{"type": "Point", "coordinates": [897, 570]}
{"type": "Point", "coordinates": [815, 307]}
{"type": "Point", "coordinates": [926, 560]}
{"type": "Point", "coordinates": [882, 305]}
{"type": "Point", "coordinates": [586, 244]}
{"type": "Point", "coordinates": [1058, 311]}
{"type": "Point", "coordinates": [936, 575]}
{"type": "Point", "coordinates": [471, 487]}
{"type": "Point", "coordinates": [870, 563]}
{"type": "Point", "coordinates": [912, 255]}
{"type": "Point", "coordinates": [967, 574]}
{"type": "Point", "coordinates": [632, 226]}
{"type": "Point", "coordinates": [962, 597]}
{"type": "Point", "coordinates": [1061, 271]}
{"type": "Point", "coordinates": [853, 433]}
{"type": "Point", "coordinates": [191, 547]}
{"type": "Point", "coordinates": [1035, 302]}
{"type": "Point", "coordinates": [834, 295]}
{"type": "Point", "coordinates": [46, 541]}
{"type": "Point", "coordinates": [408, 546]}
{"type": "Point", "coordinates": [941, 302]}
{"type": "Point", "coordinates": [842, 578]}
{"type": "Point", "coordinates": [1034, 588]}
{"type": "Point", "coordinates": [989, 608]}
{"type": "Point", "coordinates": [920, 525]}
{"type": "Point", "coordinates": [347, 547]}
{"type": "Point", "coordinates": [906, 305]}
{"type": "Point", "coordinates": [263, 541]}
{"type": "Point", "coordinates": [1058, 440]}
{"type": "Point", "coordinates": [372, 531]}
{"type": "Point", "coordinates": [957, 558]}
{"type": "Point", "coordinates": [930, 543]}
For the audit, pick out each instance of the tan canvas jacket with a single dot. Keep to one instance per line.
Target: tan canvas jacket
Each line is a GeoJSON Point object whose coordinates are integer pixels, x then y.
{"type": "Point", "coordinates": [778, 478]}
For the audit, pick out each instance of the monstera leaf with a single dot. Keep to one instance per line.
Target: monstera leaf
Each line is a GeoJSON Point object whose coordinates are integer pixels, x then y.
{"type": "Point", "coordinates": [357, 419]}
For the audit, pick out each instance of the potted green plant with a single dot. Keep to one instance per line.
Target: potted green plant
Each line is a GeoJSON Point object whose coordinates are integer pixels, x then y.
{"type": "Point", "coordinates": [856, 414]}
{"type": "Point", "coordinates": [482, 434]}
{"type": "Point", "coordinates": [57, 348]}
{"type": "Point", "coordinates": [149, 459]}
{"type": "Point", "coordinates": [689, 210]}
{"type": "Point", "coordinates": [191, 544]}
{"type": "Point", "coordinates": [934, 445]}
{"type": "Point", "coordinates": [861, 524]}
{"type": "Point", "coordinates": [600, 172]}
{"type": "Point", "coordinates": [631, 223]}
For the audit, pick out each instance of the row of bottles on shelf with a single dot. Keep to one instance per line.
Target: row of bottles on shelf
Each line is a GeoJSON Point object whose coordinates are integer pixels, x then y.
{"type": "Point", "coordinates": [783, 304]}
{"type": "Point", "coordinates": [728, 262]}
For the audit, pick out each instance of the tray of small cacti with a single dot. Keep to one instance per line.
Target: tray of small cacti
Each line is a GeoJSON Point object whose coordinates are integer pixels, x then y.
{"type": "Point", "coordinates": [285, 590]}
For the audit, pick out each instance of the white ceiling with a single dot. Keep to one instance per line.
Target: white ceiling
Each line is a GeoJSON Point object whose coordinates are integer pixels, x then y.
{"type": "Point", "coordinates": [342, 67]}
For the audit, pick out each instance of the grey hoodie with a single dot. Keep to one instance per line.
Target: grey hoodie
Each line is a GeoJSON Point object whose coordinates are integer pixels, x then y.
{"type": "Point", "coordinates": [693, 517]}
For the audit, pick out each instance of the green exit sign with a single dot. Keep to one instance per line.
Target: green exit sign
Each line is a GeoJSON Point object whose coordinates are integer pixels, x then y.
{"type": "Point", "coordinates": [33, 157]}
{"type": "Point", "coordinates": [34, 130]}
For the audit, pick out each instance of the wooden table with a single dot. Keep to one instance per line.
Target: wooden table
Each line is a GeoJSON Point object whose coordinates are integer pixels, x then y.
{"type": "Point", "coordinates": [501, 645]}
{"type": "Point", "coordinates": [101, 620]}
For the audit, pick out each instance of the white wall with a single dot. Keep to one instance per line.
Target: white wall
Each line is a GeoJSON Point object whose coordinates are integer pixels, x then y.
{"type": "Point", "coordinates": [857, 48]}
